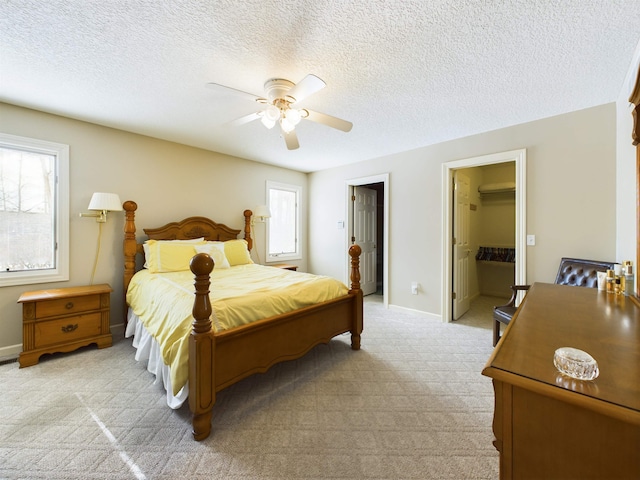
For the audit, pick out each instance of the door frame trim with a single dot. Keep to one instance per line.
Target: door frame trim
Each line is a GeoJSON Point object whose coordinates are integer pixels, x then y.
{"type": "Point", "coordinates": [520, 158]}
{"type": "Point", "coordinates": [358, 182]}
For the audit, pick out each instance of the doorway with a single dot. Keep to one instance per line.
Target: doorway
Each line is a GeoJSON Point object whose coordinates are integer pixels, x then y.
{"type": "Point", "coordinates": [518, 157]}
{"type": "Point", "coordinates": [374, 238]}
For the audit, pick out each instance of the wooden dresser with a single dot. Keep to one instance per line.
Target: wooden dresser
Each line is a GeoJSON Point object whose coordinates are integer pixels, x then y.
{"type": "Point", "coordinates": [548, 425]}
{"type": "Point", "coordinates": [64, 319]}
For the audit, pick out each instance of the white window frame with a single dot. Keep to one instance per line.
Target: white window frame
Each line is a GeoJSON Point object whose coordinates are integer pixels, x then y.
{"type": "Point", "coordinates": [60, 272]}
{"type": "Point", "coordinates": [297, 255]}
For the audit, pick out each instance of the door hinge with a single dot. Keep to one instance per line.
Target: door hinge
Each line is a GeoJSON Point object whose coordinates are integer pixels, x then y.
{"type": "Point", "coordinates": [454, 241]}
{"type": "Point", "coordinates": [453, 295]}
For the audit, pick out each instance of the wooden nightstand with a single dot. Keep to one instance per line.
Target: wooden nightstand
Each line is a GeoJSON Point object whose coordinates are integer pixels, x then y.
{"type": "Point", "coordinates": [285, 266]}
{"type": "Point", "coordinates": [64, 319]}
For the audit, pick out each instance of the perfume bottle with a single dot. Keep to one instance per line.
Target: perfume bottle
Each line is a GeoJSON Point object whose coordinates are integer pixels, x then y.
{"type": "Point", "coordinates": [617, 279]}
{"type": "Point", "coordinates": [610, 281]}
{"type": "Point", "coordinates": [617, 285]}
{"type": "Point", "coordinates": [629, 284]}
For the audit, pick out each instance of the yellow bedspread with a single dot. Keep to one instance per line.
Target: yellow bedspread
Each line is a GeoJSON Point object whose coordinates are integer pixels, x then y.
{"type": "Point", "coordinates": [239, 295]}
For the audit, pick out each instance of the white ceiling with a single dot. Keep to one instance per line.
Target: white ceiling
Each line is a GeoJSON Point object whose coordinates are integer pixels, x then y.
{"type": "Point", "coordinates": [407, 73]}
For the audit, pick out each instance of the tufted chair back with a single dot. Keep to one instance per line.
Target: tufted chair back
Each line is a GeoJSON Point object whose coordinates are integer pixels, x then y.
{"type": "Point", "coordinates": [580, 273]}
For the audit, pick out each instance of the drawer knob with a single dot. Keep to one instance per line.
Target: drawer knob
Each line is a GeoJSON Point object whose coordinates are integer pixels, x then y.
{"type": "Point", "coordinates": [69, 328]}
{"type": "Point", "coordinates": [69, 306]}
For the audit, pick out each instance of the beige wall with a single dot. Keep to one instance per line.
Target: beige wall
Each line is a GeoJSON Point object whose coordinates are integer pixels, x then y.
{"type": "Point", "coordinates": [168, 181]}
{"type": "Point", "coordinates": [571, 201]}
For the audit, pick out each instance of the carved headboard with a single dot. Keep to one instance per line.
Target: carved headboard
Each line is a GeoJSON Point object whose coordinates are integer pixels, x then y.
{"type": "Point", "coordinates": [192, 227]}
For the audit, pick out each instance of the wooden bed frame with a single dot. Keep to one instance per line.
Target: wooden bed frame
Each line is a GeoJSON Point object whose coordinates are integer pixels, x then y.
{"type": "Point", "coordinates": [220, 359]}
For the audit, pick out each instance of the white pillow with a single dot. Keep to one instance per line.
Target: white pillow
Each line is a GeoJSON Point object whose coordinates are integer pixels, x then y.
{"type": "Point", "coordinates": [215, 251]}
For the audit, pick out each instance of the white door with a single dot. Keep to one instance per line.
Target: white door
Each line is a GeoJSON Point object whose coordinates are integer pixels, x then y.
{"type": "Point", "coordinates": [364, 230]}
{"type": "Point", "coordinates": [461, 245]}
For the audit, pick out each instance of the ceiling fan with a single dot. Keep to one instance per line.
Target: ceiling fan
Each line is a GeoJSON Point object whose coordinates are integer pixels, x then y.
{"type": "Point", "coordinates": [278, 106]}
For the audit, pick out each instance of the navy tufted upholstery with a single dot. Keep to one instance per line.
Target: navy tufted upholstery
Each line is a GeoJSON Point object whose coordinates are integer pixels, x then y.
{"type": "Point", "coordinates": [573, 271]}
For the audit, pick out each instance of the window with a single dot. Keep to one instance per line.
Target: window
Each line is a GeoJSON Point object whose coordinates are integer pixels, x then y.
{"type": "Point", "coordinates": [34, 211]}
{"type": "Point", "coordinates": [283, 228]}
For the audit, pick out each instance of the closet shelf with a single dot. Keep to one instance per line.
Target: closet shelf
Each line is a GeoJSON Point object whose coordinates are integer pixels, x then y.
{"type": "Point", "coordinates": [491, 188]}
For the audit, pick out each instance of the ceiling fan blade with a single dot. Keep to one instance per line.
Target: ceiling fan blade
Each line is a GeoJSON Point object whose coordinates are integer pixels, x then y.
{"type": "Point", "coordinates": [305, 87]}
{"type": "Point", "coordinates": [245, 119]}
{"type": "Point", "coordinates": [329, 121]}
{"type": "Point", "coordinates": [291, 139]}
{"type": "Point", "coordinates": [223, 89]}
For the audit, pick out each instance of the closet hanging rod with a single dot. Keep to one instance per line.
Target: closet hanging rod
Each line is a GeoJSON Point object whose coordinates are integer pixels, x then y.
{"type": "Point", "coordinates": [502, 187]}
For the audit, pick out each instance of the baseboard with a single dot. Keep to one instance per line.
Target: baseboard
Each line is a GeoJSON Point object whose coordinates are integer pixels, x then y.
{"type": "Point", "coordinates": [117, 330]}
{"type": "Point", "coordinates": [10, 353]}
{"type": "Point", "coordinates": [418, 312]}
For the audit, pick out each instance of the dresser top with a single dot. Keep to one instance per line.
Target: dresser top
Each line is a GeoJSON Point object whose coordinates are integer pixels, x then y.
{"type": "Point", "coordinates": [56, 293]}
{"type": "Point", "coordinates": [606, 326]}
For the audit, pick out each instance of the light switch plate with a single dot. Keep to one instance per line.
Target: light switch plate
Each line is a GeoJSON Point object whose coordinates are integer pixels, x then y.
{"type": "Point", "coordinates": [531, 240]}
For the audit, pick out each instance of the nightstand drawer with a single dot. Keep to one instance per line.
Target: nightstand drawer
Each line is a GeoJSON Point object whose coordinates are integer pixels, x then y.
{"type": "Point", "coordinates": [67, 330]}
{"type": "Point", "coordinates": [67, 306]}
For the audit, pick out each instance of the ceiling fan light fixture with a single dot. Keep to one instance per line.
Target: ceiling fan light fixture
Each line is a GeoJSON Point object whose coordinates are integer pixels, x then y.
{"type": "Point", "coordinates": [286, 125]}
{"type": "Point", "coordinates": [267, 122]}
{"type": "Point", "coordinates": [272, 113]}
{"type": "Point", "coordinates": [277, 104]}
{"type": "Point", "coordinates": [293, 116]}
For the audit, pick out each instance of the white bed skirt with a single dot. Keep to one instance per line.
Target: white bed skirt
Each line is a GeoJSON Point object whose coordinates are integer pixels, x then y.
{"type": "Point", "coordinates": [147, 349]}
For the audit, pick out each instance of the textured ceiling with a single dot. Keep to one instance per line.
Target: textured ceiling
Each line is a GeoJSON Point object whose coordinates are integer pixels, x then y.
{"type": "Point", "coordinates": [406, 73]}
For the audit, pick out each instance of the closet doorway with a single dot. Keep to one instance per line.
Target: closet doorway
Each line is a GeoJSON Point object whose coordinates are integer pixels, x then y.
{"type": "Point", "coordinates": [488, 193]}
{"type": "Point", "coordinates": [368, 226]}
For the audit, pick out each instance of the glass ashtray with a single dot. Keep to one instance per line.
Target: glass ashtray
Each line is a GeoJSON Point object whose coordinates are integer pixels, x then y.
{"type": "Point", "coordinates": [575, 363]}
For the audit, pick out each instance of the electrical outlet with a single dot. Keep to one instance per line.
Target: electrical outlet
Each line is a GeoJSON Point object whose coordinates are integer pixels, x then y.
{"type": "Point", "coordinates": [414, 288]}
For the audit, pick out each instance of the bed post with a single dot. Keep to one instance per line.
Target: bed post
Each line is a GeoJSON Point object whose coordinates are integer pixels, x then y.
{"type": "Point", "coordinates": [247, 228]}
{"type": "Point", "coordinates": [356, 329]}
{"type": "Point", "coordinates": [130, 247]}
{"type": "Point", "coordinates": [202, 391]}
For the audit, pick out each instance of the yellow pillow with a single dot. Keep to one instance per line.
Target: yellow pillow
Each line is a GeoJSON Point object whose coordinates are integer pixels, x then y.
{"type": "Point", "coordinates": [169, 256]}
{"type": "Point", "coordinates": [145, 247]}
{"type": "Point", "coordinates": [237, 252]}
{"type": "Point", "coordinates": [216, 251]}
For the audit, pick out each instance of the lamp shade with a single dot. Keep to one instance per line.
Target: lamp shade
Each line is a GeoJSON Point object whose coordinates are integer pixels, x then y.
{"type": "Point", "coordinates": [262, 211]}
{"type": "Point", "coordinates": [105, 201]}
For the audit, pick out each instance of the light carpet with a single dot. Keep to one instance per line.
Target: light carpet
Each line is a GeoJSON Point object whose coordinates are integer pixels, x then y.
{"type": "Point", "coordinates": [412, 404]}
